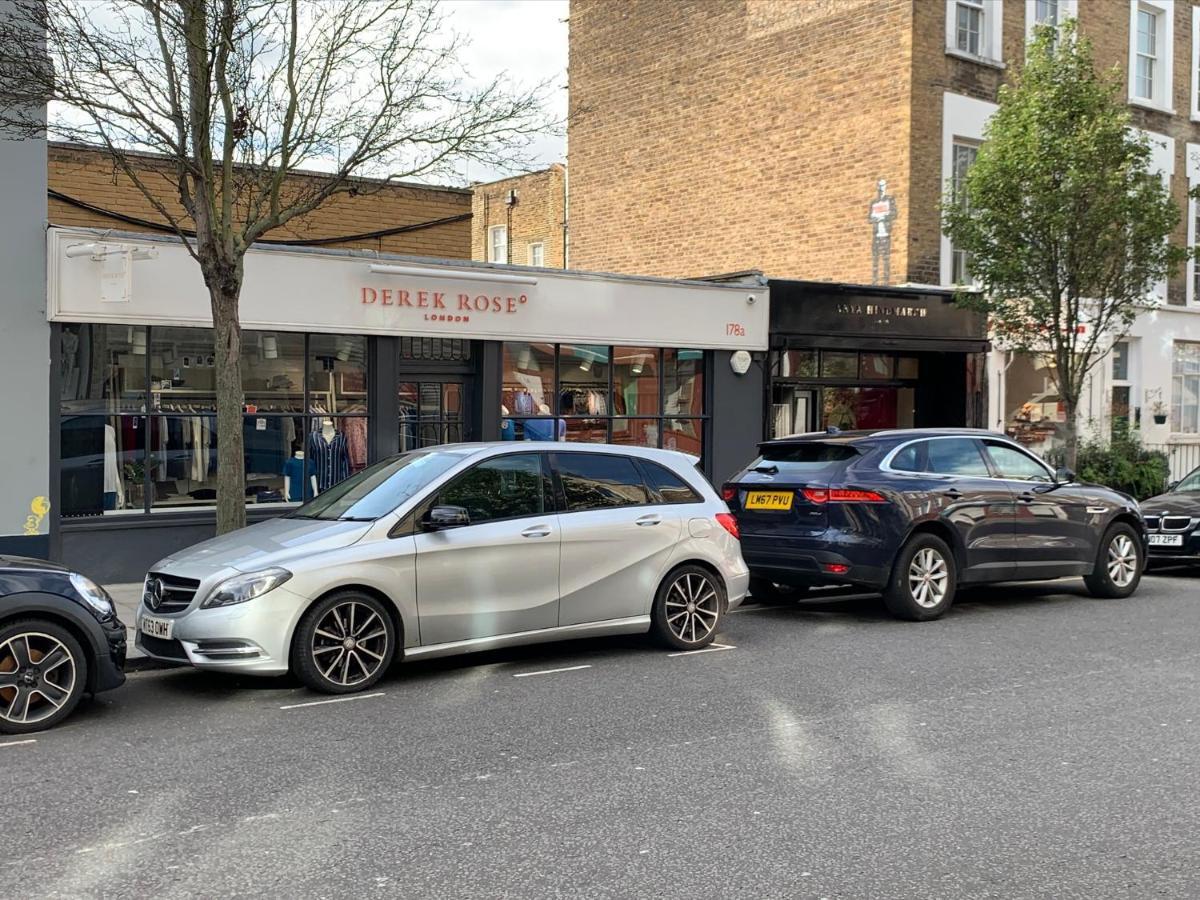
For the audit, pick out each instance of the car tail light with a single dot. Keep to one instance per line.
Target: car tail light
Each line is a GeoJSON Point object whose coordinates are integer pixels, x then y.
{"type": "Point", "coordinates": [728, 492]}
{"type": "Point", "coordinates": [836, 568]}
{"type": "Point", "coordinates": [729, 523]}
{"type": "Point", "coordinates": [842, 495]}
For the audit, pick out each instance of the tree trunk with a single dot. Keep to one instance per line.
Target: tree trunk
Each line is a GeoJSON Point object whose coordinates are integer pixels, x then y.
{"type": "Point", "coordinates": [224, 290]}
{"type": "Point", "coordinates": [1071, 430]}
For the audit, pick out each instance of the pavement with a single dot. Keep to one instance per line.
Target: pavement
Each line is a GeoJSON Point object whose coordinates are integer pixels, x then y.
{"type": "Point", "coordinates": [126, 598]}
{"type": "Point", "coordinates": [1035, 742]}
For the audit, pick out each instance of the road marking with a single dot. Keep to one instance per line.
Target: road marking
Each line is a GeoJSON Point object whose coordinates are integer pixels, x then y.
{"type": "Point", "coordinates": [19, 743]}
{"type": "Point", "coordinates": [550, 671]}
{"type": "Point", "coordinates": [711, 648]}
{"type": "Point", "coordinates": [334, 700]}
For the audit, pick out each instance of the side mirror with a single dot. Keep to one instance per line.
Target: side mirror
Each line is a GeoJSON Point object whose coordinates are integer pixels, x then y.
{"type": "Point", "coordinates": [442, 517]}
{"type": "Point", "coordinates": [1063, 475]}
{"type": "Point", "coordinates": [1172, 485]}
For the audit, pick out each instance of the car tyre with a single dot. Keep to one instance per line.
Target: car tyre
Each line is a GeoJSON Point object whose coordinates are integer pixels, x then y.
{"type": "Point", "coordinates": [1119, 563]}
{"type": "Point", "coordinates": [688, 608]}
{"type": "Point", "coordinates": [343, 644]}
{"type": "Point", "coordinates": [772, 593]}
{"type": "Point", "coordinates": [43, 673]}
{"type": "Point", "coordinates": [924, 580]}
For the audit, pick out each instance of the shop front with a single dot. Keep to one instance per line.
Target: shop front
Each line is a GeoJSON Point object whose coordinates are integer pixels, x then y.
{"type": "Point", "coordinates": [865, 357]}
{"type": "Point", "coordinates": [349, 358]}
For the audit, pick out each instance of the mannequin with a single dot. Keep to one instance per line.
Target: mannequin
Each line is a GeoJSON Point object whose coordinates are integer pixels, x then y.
{"type": "Point", "coordinates": [328, 455]}
{"type": "Point", "coordinates": [327, 429]}
{"type": "Point", "coordinates": [293, 477]}
{"type": "Point", "coordinates": [508, 428]}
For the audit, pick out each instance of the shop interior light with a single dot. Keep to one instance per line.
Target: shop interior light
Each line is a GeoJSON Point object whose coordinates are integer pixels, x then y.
{"type": "Point", "coordinates": [343, 348]}
{"type": "Point", "coordinates": [585, 364]}
{"type": "Point", "coordinates": [270, 347]}
{"type": "Point", "coordinates": [525, 359]}
{"type": "Point", "coordinates": [138, 337]}
{"type": "Point", "coordinates": [639, 363]}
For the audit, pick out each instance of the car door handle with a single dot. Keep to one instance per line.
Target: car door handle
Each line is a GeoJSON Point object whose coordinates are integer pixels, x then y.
{"type": "Point", "coordinates": [536, 531]}
{"type": "Point", "coordinates": [650, 520]}
{"type": "Point", "coordinates": [1027, 497]}
{"type": "Point", "coordinates": [953, 493]}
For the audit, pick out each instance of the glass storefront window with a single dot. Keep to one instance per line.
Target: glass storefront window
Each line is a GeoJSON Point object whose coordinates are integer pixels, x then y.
{"type": "Point", "coordinates": [586, 431]}
{"type": "Point", "coordinates": [794, 364]}
{"type": "Point", "coordinates": [683, 382]}
{"type": "Point", "coordinates": [102, 464]}
{"type": "Point", "coordinates": [839, 365]}
{"type": "Point", "coordinates": [103, 368]}
{"type": "Point", "coordinates": [431, 413]}
{"type": "Point", "coordinates": [337, 373]}
{"type": "Point", "coordinates": [684, 435]}
{"type": "Point", "coordinates": [334, 449]}
{"type": "Point", "coordinates": [273, 373]}
{"type": "Point", "coordinates": [528, 379]}
{"type": "Point", "coordinates": [583, 380]}
{"type": "Point", "coordinates": [635, 381]}
{"type": "Point", "coordinates": [907, 367]}
{"type": "Point", "coordinates": [868, 407]}
{"type": "Point", "coordinates": [182, 370]}
{"type": "Point", "coordinates": [875, 366]}
{"type": "Point", "coordinates": [636, 432]}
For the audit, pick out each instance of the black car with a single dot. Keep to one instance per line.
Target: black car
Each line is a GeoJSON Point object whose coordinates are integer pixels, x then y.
{"type": "Point", "coordinates": [59, 637]}
{"type": "Point", "coordinates": [914, 514]}
{"type": "Point", "coordinates": [1173, 521]}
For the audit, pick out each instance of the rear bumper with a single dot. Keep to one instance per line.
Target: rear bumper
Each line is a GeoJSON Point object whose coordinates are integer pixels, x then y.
{"type": "Point", "coordinates": [805, 561]}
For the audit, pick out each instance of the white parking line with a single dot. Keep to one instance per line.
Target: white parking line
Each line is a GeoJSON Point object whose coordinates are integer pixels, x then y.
{"type": "Point", "coordinates": [549, 671]}
{"type": "Point", "coordinates": [18, 743]}
{"type": "Point", "coordinates": [334, 700]}
{"type": "Point", "coordinates": [711, 648]}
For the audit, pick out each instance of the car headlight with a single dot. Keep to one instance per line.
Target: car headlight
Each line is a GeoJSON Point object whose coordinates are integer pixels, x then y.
{"type": "Point", "coordinates": [241, 588]}
{"type": "Point", "coordinates": [93, 595]}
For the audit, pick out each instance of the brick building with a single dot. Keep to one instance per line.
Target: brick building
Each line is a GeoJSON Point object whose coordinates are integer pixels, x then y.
{"type": "Point", "coordinates": [521, 220]}
{"type": "Point", "coordinates": [87, 190]}
{"type": "Point", "coordinates": [814, 140]}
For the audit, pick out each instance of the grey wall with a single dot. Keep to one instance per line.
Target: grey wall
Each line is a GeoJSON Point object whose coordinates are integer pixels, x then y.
{"type": "Point", "coordinates": [737, 416]}
{"type": "Point", "coordinates": [24, 347]}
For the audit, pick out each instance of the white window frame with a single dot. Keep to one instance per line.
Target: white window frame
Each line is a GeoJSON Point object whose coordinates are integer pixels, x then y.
{"type": "Point", "coordinates": [1195, 105]}
{"type": "Point", "coordinates": [955, 144]}
{"type": "Point", "coordinates": [991, 31]}
{"type": "Point", "coordinates": [540, 248]}
{"type": "Point", "coordinates": [1067, 9]}
{"type": "Point", "coordinates": [494, 232]}
{"type": "Point", "coordinates": [1162, 164]}
{"type": "Point", "coordinates": [1163, 88]}
{"type": "Point", "coordinates": [1177, 422]}
{"type": "Point", "coordinates": [1191, 162]}
{"type": "Point", "coordinates": [963, 120]}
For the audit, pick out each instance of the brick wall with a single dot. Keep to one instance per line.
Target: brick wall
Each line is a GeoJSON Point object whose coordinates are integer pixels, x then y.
{"type": "Point", "coordinates": [86, 174]}
{"type": "Point", "coordinates": [537, 216]}
{"type": "Point", "coordinates": [714, 136]}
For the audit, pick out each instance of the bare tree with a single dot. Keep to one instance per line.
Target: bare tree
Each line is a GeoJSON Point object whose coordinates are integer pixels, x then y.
{"type": "Point", "coordinates": [234, 94]}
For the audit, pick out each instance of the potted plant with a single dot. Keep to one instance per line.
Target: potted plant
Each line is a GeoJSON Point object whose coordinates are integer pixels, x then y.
{"type": "Point", "coordinates": [1159, 412]}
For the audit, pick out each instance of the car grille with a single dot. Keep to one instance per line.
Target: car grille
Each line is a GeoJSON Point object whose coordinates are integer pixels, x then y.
{"type": "Point", "coordinates": [1168, 523]}
{"type": "Point", "coordinates": [175, 595]}
{"type": "Point", "coordinates": [167, 649]}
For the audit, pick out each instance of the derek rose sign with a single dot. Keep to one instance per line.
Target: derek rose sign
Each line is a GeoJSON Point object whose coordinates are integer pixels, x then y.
{"type": "Point", "coordinates": [444, 306]}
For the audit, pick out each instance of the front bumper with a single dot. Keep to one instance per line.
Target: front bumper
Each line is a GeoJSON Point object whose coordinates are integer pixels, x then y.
{"type": "Point", "coordinates": [1187, 552]}
{"type": "Point", "coordinates": [110, 667]}
{"type": "Point", "coordinates": [252, 637]}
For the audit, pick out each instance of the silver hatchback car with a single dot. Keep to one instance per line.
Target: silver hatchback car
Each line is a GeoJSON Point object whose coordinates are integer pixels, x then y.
{"type": "Point", "coordinates": [450, 550]}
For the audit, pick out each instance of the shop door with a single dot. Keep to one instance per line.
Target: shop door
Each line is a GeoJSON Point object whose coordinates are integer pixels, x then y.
{"type": "Point", "coordinates": [793, 410]}
{"type": "Point", "coordinates": [433, 410]}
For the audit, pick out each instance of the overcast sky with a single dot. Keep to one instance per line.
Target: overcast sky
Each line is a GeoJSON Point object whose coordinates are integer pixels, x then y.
{"type": "Point", "coordinates": [527, 39]}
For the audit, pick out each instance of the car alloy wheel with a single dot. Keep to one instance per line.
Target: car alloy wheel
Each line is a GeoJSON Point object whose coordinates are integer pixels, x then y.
{"type": "Point", "coordinates": [350, 643]}
{"type": "Point", "coordinates": [38, 674]}
{"type": "Point", "coordinates": [1122, 560]}
{"type": "Point", "coordinates": [928, 577]}
{"type": "Point", "coordinates": [693, 607]}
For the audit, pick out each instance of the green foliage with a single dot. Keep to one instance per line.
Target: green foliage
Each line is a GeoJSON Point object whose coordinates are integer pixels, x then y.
{"type": "Point", "coordinates": [1065, 223]}
{"type": "Point", "coordinates": [1125, 465]}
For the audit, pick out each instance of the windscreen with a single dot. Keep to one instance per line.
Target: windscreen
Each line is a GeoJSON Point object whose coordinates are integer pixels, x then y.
{"type": "Point", "coordinates": [379, 489]}
{"type": "Point", "coordinates": [1191, 483]}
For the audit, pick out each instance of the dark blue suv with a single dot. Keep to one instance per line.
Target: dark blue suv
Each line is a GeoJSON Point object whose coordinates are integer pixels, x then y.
{"type": "Point", "coordinates": [914, 514]}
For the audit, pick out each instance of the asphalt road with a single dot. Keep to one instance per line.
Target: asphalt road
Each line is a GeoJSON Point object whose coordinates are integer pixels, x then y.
{"type": "Point", "coordinates": [1034, 743]}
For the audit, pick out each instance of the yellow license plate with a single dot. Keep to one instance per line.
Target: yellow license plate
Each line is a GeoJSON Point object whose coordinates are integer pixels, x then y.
{"type": "Point", "coordinates": [769, 500]}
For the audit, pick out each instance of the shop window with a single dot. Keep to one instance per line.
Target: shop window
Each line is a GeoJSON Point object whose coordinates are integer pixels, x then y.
{"type": "Point", "coordinates": [580, 431]}
{"type": "Point", "coordinates": [431, 413]}
{"type": "Point", "coordinates": [636, 432]}
{"type": "Point", "coordinates": [273, 372]}
{"type": "Point", "coordinates": [528, 379]}
{"type": "Point", "coordinates": [851, 408]}
{"type": "Point", "coordinates": [683, 383]}
{"type": "Point", "coordinates": [794, 364]}
{"type": "Point", "coordinates": [908, 367]}
{"type": "Point", "coordinates": [839, 365]}
{"type": "Point", "coordinates": [684, 435]}
{"type": "Point", "coordinates": [583, 380]}
{"type": "Point", "coordinates": [875, 366]}
{"type": "Point", "coordinates": [102, 461]}
{"type": "Point", "coordinates": [635, 381]}
{"type": "Point", "coordinates": [337, 374]}
{"type": "Point", "coordinates": [103, 368]}
{"type": "Point", "coordinates": [183, 370]}
{"type": "Point", "coordinates": [1185, 388]}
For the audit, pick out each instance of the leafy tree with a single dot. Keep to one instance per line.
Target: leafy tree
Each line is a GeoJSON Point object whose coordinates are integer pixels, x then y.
{"type": "Point", "coordinates": [235, 94]}
{"type": "Point", "coordinates": [1065, 225]}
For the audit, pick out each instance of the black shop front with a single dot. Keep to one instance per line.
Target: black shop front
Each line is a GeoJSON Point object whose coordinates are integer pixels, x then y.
{"type": "Point", "coordinates": [866, 357]}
